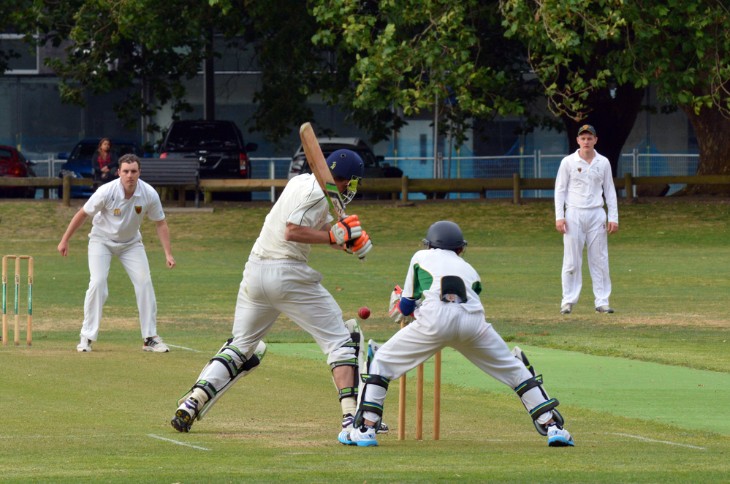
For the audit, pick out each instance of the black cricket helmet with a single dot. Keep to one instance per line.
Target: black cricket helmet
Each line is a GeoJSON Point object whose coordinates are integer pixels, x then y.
{"type": "Point", "coordinates": [444, 234]}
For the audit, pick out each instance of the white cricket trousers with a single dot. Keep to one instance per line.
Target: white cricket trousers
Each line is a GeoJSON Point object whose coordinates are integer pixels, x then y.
{"type": "Point", "coordinates": [436, 326]}
{"type": "Point", "coordinates": [586, 228]}
{"type": "Point", "coordinates": [134, 260]}
{"type": "Point", "coordinates": [272, 287]}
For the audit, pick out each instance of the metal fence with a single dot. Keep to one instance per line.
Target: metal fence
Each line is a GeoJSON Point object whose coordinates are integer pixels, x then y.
{"type": "Point", "coordinates": [538, 165]}
{"type": "Point", "coordinates": [528, 165]}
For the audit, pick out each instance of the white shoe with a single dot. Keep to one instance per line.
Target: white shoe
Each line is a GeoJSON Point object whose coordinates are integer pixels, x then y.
{"type": "Point", "coordinates": [155, 344]}
{"type": "Point", "coordinates": [559, 437]}
{"type": "Point", "coordinates": [566, 308]}
{"type": "Point", "coordinates": [604, 309]}
{"type": "Point", "coordinates": [84, 345]}
{"type": "Point", "coordinates": [362, 437]}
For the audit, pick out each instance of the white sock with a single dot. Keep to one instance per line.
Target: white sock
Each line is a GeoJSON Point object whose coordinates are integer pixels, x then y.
{"type": "Point", "coordinates": [349, 405]}
{"type": "Point", "coordinates": [199, 395]}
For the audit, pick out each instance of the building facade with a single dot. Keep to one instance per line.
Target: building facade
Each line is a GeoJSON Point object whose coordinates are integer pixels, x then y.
{"type": "Point", "coordinates": [36, 121]}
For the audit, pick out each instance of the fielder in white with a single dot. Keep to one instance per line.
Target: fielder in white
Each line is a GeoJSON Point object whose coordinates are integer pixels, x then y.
{"type": "Point", "coordinates": [118, 208]}
{"type": "Point", "coordinates": [584, 179]}
{"type": "Point", "coordinates": [277, 279]}
{"type": "Point", "coordinates": [451, 314]}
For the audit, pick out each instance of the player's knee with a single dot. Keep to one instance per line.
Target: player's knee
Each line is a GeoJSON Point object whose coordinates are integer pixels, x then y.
{"type": "Point", "coordinates": [234, 360]}
{"type": "Point", "coordinates": [98, 284]}
{"type": "Point", "coordinates": [345, 355]}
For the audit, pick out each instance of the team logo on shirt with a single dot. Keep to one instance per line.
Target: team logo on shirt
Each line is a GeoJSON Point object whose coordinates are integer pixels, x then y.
{"type": "Point", "coordinates": [580, 169]}
{"type": "Point", "coordinates": [138, 209]}
{"type": "Point", "coordinates": [117, 212]}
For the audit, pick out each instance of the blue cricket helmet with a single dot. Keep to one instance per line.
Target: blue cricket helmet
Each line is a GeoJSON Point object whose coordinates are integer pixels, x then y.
{"type": "Point", "coordinates": [348, 165]}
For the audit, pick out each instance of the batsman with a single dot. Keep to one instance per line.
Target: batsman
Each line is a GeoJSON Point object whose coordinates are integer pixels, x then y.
{"type": "Point", "coordinates": [450, 314]}
{"type": "Point", "coordinates": [277, 279]}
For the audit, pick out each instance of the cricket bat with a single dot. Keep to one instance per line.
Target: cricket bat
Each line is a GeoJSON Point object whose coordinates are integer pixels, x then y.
{"type": "Point", "coordinates": [321, 171]}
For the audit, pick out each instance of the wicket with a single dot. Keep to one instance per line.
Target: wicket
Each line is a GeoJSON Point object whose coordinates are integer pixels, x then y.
{"type": "Point", "coordinates": [419, 401]}
{"type": "Point", "coordinates": [29, 328]}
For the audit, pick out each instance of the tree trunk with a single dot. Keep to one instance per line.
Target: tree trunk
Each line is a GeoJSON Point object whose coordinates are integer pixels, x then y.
{"type": "Point", "coordinates": [613, 118]}
{"type": "Point", "coordinates": [711, 128]}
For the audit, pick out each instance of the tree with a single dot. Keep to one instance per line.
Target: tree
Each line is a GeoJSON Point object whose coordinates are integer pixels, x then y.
{"type": "Point", "coordinates": [139, 47]}
{"type": "Point", "coordinates": [408, 56]}
{"type": "Point", "coordinates": [142, 47]}
{"type": "Point", "coordinates": [292, 69]}
{"type": "Point", "coordinates": [571, 57]}
{"type": "Point", "coordinates": [681, 48]}
{"type": "Point", "coordinates": [13, 19]}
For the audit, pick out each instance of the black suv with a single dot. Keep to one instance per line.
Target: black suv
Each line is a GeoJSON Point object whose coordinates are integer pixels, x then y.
{"type": "Point", "coordinates": [218, 145]}
{"type": "Point", "coordinates": [374, 166]}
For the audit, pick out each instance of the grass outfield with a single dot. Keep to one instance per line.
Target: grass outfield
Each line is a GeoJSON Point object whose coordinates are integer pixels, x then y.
{"type": "Point", "coordinates": [644, 391]}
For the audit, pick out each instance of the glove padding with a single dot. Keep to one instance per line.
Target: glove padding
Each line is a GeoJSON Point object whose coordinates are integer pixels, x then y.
{"type": "Point", "coordinates": [359, 246]}
{"type": "Point", "coordinates": [394, 308]}
{"type": "Point", "coordinates": [346, 230]}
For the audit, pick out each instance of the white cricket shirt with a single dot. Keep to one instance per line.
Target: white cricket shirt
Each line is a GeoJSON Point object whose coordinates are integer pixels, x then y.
{"type": "Point", "coordinates": [302, 203]}
{"type": "Point", "coordinates": [580, 184]}
{"type": "Point", "coordinates": [118, 219]}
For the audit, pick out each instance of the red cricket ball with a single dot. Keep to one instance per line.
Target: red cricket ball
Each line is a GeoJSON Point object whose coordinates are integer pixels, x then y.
{"type": "Point", "coordinates": [363, 312]}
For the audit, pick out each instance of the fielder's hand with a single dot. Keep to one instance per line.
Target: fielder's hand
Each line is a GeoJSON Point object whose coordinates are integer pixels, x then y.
{"type": "Point", "coordinates": [345, 230]}
{"type": "Point", "coordinates": [360, 246]}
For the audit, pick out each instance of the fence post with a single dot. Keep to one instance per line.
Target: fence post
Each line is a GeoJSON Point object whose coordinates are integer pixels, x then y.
{"type": "Point", "coordinates": [67, 191]}
{"type": "Point", "coordinates": [628, 186]}
{"type": "Point", "coordinates": [516, 188]}
{"type": "Point", "coordinates": [272, 175]}
{"type": "Point", "coordinates": [404, 188]}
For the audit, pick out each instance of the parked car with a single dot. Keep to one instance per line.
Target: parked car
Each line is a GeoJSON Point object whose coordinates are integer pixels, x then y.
{"type": "Point", "coordinates": [218, 145]}
{"type": "Point", "coordinates": [13, 164]}
{"type": "Point", "coordinates": [79, 162]}
{"type": "Point", "coordinates": [374, 165]}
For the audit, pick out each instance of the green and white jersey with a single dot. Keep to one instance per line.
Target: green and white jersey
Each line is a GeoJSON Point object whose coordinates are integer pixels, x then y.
{"type": "Point", "coordinates": [442, 276]}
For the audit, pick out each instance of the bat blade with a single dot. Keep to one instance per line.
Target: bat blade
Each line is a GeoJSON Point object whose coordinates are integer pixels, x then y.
{"type": "Point", "coordinates": [321, 171]}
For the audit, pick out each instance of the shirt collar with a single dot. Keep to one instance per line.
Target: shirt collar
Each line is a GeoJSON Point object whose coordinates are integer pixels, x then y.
{"type": "Point", "coordinates": [119, 189]}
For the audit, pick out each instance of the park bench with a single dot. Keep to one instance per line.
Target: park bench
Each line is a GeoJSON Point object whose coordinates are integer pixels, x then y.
{"type": "Point", "coordinates": [177, 174]}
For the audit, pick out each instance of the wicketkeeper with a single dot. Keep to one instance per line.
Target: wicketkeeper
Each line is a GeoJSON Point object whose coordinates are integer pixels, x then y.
{"type": "Point", "coordinates": [450, 314]}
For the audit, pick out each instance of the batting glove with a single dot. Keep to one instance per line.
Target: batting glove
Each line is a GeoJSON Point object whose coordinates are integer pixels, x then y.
{"type": "Point", "coordinates": [345, 230]}
{"type": "Point", "coordinates": [360, 246]}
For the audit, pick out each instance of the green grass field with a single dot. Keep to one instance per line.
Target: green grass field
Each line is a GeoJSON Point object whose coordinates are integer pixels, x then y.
{"type": "Point", "coordinates": [644, 391]}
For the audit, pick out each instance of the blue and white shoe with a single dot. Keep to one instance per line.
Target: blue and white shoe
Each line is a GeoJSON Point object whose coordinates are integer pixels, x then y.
{"type": "Point", "coordinates": [347, 423]}
{"type": "Point", "coordinates": [364, 437]}
{"type": "Point", "coordinates": [559, 437]}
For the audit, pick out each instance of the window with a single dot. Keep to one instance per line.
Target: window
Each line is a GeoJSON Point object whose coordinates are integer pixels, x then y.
{"type": "Point", "coordinates": [25, 60]}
